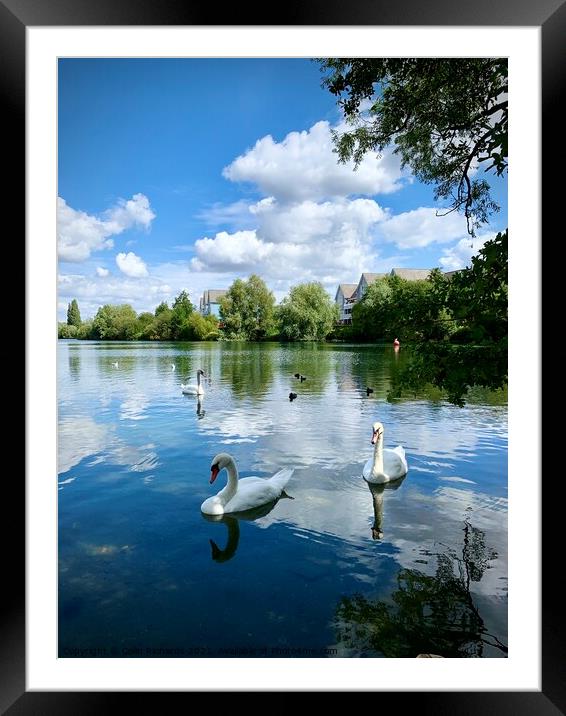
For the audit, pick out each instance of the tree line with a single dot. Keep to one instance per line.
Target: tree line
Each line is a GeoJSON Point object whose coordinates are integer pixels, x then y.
{"type": "Point", "coordinates": [121, 323]}
{"type": "Point", "coordinates": [247, 312]}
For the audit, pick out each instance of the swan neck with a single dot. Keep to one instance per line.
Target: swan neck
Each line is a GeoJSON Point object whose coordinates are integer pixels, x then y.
{"type": "Point", "coordinates": [377, 467]}
{"type": "Point", "coordinates": [232, 485]}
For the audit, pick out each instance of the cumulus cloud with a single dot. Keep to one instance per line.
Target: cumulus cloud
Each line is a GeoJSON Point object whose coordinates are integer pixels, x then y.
{"type": "Point", "coordinates": [460, 255]}
{"type": "Point", "coordinates": [79, 233]}
{"type": "Point", "coordinates": [131, 265]}
{"type": "Point", "coordinates": [309, 241]}
{"type": "Point", "coordinates": [102, 272]}
{"type": "Point", "coordinates": [421, 227]}
{"type": "Point", "coordinates": [304, 166]}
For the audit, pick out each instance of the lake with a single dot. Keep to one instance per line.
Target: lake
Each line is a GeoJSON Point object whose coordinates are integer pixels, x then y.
{"type": "Point", "coordinates": [335, 569]}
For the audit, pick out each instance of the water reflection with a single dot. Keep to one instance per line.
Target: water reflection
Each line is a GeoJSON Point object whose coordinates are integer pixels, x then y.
{"type": "Point", "coordinates": [377, 491]}
{"type": "Point", "coordinates": [248, 369]}
{"type": "Point", "coordinates": [427, 613]}
{"type": "Point", "coordinates": [233, 528]}
{"type": "Point", "coordinates": [313, 361]}
{"type": "Point", "coordinates": [200, 411]}
{"type": "Point", "coordinates": [74, 366]}
{"type": "Point", "coordinates": [118, 367]}
{"type": "Point", "coordinates": [131, 458]}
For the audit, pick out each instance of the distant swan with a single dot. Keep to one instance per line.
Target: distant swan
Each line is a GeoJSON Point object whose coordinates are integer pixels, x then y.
{"type": "Point", "coordinates": [115, 364]}
{"type": "Point", "coordinates": [194, 388]}
{"type": "Point", "coordinates": [245, 494]}
{"type": "Point", "coordinates": [172, 366]}
{"type": "Point", "coordinates": [385, 465]}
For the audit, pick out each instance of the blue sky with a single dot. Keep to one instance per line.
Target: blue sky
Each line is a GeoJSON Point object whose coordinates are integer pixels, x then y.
{"type": "Point", "coordinates": [187, 173]}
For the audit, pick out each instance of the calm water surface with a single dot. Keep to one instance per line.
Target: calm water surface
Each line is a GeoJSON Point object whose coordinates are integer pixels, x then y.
{"type": "Point", "coordinates": [339, 570]}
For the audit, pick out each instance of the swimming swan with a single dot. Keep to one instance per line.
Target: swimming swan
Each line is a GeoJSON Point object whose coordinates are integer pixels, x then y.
{"type": "Point", "coordinates": [194, 388]}
{"type": "Point", "coordinates": [245, 494]}
{"type": "Point", "coordinates": [385, 465]}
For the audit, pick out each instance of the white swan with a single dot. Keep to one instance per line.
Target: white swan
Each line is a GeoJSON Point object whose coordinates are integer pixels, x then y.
{"type": "Point", "coordinates": [385, 465]}
{"type": "Point", "coordinates": [172, 366]}
{"type": "Point", "coordinates": [245, 494]}
{"type": "Point", "coordinates": [115, 364]}
{"type": "Point", "coordinates": [194, 388]}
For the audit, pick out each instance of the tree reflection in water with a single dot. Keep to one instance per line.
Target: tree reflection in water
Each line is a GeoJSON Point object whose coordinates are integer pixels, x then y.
{"type": "Point", "coordinates": [430, 614]}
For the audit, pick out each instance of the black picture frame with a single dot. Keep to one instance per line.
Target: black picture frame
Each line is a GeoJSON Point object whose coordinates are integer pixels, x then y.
{"type": "Point", "coordinates": [15, 17]}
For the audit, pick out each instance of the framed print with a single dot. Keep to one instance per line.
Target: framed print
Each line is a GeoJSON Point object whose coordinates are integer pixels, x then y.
{"type": "Point", "coordinates": [117, 522]}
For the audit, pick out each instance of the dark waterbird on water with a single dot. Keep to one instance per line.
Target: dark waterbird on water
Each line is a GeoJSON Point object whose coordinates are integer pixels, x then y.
{"type": "Point", "coordinates": [369, 391]}
{"type": "Point", "coordinates": [292, 396]}
{"type": "Point", "coordinates": [298, 375]}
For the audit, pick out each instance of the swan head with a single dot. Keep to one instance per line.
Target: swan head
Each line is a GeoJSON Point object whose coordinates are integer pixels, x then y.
{"type": "Point", "coordinates": [377, 433]}
{"type": "Point", "coordinates": [219, 462]}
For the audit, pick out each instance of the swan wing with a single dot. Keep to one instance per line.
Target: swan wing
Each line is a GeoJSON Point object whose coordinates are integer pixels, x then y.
{"type": "Point", "coordinates": [395, 463]}
{"type": "Point", "coordinates": [281, 477]}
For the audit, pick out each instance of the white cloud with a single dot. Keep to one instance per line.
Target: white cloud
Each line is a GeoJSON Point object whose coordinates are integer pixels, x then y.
{"type": "Point", "coordinates": [421, 227]}
{"type": "Point", "coordinates": [134, 211]}
{"type": "Point", "coordinates": [102, 272]}
{"type": "Point", "coordinates": [131, 265]}
{"type": "Point", "coordinates": [79, 233]}
{"type": "Point", "coordinates": [236, 215]}
{"type": "Point", "coordinates": [459, 256]}
{"type": "Point", "coordinates": [93, 292]}
{"type": "Point", "coordinates": [165, 281]}
{"type": "Point", "coordinates": [304, 166]}
{"type": "Point", "coordinates": [306, 241]}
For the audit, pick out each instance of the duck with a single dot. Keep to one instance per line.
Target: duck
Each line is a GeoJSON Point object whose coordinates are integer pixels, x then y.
{"type": "Point", "coordinates": [386, 464]}
{"type": "Point", "coordinates": [300, 376]}
{"type": "Point", "coordinates": [192, 388]}
{"type": "Point", "coordinates": [246, 494]}
{"type": "Point", "coordinates": [369, 391]}
{"type": "Point", "coordinates": [292, 396]}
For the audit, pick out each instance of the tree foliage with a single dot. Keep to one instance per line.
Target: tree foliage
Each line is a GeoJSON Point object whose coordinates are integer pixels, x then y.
{"type": "Point", "coordinates": [73, 314]}
{"type": "Point", "coordinates": [475, 354]}
{"type": "Point", "coordinates": [409, 310]}
{"type": "Point", "coordinates": [444, 117]}
{"type": "Point", "coordinates": [182, 309]}
{"type": "Point", "coordinates": [113, 323]}
{"type": "Point", "coordinates": [307, 314]}
{"type": "Point", "coordinates": [247, 310]}
{"type": "Point", "coordinates": [121, 323]}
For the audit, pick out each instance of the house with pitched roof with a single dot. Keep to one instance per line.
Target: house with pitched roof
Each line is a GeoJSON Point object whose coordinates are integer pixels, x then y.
{"type": "Point", "coordinates": [345, 301]}
{"type": "Point", "coordinates": [348, 294]}
{"type": "Point", "coordinates": [410, 274]}
{"type": "Point", "coordinates": [366, 279]}
{"type": "Point", "coordinates": [209, 304]}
